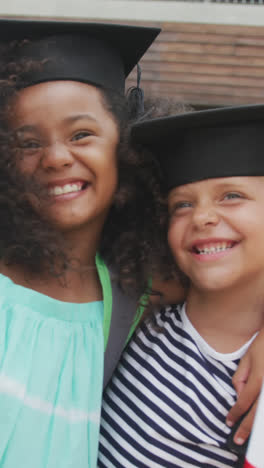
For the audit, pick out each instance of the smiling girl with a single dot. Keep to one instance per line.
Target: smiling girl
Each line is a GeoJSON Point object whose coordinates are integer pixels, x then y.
{"type": "Point", "coordinates": [66, 174]}
{"type": "Point", "coordinates": [169, 398]}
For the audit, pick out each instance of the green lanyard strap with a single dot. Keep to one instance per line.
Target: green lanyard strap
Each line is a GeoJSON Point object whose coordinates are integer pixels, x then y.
{"type": "Point", "coordinates": [105, 280]}
{"type": "Point", "coordinates": [107, 296]}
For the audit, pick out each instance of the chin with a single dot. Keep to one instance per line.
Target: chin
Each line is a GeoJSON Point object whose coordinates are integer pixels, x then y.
{"type": "Point", "coordinates": [64, 219]}
{"type": "Point", "coordinates": [212, 284]}
{"type": "Point", "coordinates": [63, 224]}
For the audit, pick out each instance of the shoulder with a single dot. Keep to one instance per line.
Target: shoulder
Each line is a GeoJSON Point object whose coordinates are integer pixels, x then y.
{"type": "Point", "coordinates": [6, 278]}
{"type": "Point", "coordinates": [168, 317]}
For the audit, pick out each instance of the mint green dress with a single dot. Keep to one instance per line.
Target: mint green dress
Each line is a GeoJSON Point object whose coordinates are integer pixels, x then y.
{"type": "Point", "coordinates": [51, 373]}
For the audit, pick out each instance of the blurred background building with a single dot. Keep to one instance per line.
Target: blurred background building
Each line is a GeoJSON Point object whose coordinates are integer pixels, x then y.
{"type": "Point", "coordinates": [210, 52]}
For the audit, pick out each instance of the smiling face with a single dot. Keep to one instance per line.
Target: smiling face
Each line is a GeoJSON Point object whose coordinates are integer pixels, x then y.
{"type": "Point", "coordinates": [216, 231]}
{"type": "Point", "coordinates": [67, 141]}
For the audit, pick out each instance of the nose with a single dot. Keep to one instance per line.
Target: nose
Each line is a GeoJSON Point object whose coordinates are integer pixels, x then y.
{"type": "Point", "coordinates": [56, 156]}
{"type": "Point", "coordinates": [204, 216]}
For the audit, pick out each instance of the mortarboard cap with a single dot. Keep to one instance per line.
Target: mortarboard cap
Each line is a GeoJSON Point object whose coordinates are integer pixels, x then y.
{"type": "Point", "coordinates": [95, 53]}
{"type": "Point", "coordinates": [223, 142]}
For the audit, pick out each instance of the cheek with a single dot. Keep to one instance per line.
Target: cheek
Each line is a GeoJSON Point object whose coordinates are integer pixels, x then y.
{"type": "Point", "coordinates": [113, 181]}
{"type": "Point", "coordinates": [109, 165]}
{"type": "Point", "coordinates": [178, 235]}
{"type": "Point", "coordinates": [26, 164]}
{"type": "Point", "coordinates": [248, 224]}
{"type": "Point", "coordinates": [174, 238]}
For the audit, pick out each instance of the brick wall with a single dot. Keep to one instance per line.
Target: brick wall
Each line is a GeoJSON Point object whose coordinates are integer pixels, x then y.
{"type": "Point", "coordinates": [206, 65]}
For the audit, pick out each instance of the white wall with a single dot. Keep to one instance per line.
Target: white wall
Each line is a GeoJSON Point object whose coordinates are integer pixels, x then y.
{"type": "Point", "coordinates": [137, 10]}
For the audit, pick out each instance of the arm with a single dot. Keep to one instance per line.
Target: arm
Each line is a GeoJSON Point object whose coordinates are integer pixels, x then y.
{"type": "Point", "coordinates": [249, 375]}
{"type": "Point", "coordinates": [248, 381]}
{"type": "Point", "coordinates": [248, 378]}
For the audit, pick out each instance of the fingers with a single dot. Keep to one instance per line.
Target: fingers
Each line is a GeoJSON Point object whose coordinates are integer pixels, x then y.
{"type": "Point", "coordinates": [246, 399]}
{"type": "Point", "coordinates": [247, 382]}
{"type": "Point", "coordinates": [245, 427]}
{"type": "Point", "coordinates": [247, 391]}
{"type": "Point", "coordinates": [241, 375]}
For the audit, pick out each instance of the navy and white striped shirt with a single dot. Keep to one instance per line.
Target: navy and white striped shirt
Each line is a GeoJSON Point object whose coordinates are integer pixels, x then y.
{"type": "Point", "coordinates": [168, 399]}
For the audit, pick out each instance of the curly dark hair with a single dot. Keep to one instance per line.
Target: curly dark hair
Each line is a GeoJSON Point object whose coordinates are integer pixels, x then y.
{"type": "Point", "coordinates": [131, 242]}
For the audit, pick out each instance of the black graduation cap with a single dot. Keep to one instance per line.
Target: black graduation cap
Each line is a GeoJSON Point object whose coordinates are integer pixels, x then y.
{"type": "Point", "coordinates": [96, 53]}
{"type": "Point", "coordinates": [222, 142]}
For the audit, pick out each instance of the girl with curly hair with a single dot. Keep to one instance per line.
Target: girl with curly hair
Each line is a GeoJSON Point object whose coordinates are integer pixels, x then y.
{"type": "Point", "coordinates": [73, 195]}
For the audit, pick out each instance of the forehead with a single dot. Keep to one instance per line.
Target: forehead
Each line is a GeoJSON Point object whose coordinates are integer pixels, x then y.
{"type": "Point", "coordinates": [220, 183]}
{"type": "Point", "coordinates": [57, 99]}
{"type": "Point", "coordinates": [61, 89]}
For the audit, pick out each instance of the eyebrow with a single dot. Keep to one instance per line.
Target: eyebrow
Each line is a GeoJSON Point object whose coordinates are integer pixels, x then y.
{"type": "Point", "coordinates": [70, 119]}
{"type": "Point", "coordinates": [183, 192]}
{"type": "Point", "coordinates": [74, 118]}
{"type": "Point", "coordinates": [232, 185]}
{"type": "Point", "coordinates": [180, 193]}
{"type": "Point", "coordinates": [25, 128]}
{"type": "Point", "coordinates": [229, 184]}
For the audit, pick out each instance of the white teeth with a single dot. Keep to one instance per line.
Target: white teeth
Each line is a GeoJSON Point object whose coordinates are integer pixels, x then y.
{"type": "Point", "coordinates": [68, 188]}
{"type": "Point", "coordinates": [213, 249]}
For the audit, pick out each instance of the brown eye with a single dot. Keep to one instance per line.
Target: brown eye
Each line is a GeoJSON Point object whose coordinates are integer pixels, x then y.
{"type": "Point", "coordinates": [81, 135]}
{"type": "Point", "coordinates": [29, 144]}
